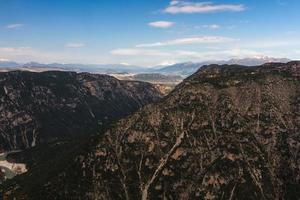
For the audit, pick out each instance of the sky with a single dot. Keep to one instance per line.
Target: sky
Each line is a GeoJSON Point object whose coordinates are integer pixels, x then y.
{"type": "Point", "coordinates": [147, 32]}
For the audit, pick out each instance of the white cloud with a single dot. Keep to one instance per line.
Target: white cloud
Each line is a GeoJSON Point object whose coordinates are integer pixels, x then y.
{"type": "Point", "coordinates": [138, 52]}
{"type": "Point", "coordinates": [173, 56]}
{"type": "Point", "coordinates": [4, 60]}
{"type": "Point", "coordinates": [217, 55]}
{"type": "Point", "coordinates": [75, 45]}
{"type": "Point", "coordinates": [172, 3]}
{"type": "Point", "coordinates": [161, 24]}
{"type": "Point", "coordinates": [125, 63]}
{"type": "Point", "coordinates": [189, 53]}
{"type": "Point", "coordinates": [274, 43]}
{"type": "Point", "coordinates": [212, 26]}
{"type": "Point", "coordinates": [15, 49]}
{"type": "Point", "coordinates": [241, 53]}
{"type": "Point", "coordinates": [167, 63]}
{"type": "Point", "coordinates": [176, 7]}
{"type": "Point", "coordinates": [27, 54]}
{"type": "Point", "coordinates": [191, 40]}
{"type": "Point", "coordinates": [14, 26]}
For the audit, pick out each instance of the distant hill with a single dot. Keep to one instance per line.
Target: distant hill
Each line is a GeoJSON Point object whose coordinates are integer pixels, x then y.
{"type": "Point", "coordinates": [256, 61]}
{"type": "Point", "coordinates": [91, 68]}
{"type": "Point", "coordinates": [186, 69]}
{"type": "Point", "coordinates": [8, 64]}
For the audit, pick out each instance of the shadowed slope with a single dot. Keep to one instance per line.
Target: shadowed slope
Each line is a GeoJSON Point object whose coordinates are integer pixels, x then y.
{"type": "Point", "coordinates": [44, 107]}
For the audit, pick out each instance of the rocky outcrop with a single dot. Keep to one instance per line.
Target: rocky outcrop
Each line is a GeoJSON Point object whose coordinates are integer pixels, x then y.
{"type": "Point", "coordinates": [44, 107]}
{"type": "Point", "coordinates": [227, 132]}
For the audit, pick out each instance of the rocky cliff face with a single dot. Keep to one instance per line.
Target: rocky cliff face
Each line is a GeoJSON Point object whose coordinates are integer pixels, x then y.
{"type": "Point", "coordinates": [227, 132]}
{"type": "Point", "coordinates": [43, 107]}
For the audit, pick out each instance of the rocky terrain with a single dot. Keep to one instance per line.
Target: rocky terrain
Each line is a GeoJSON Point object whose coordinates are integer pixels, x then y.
{"type": "Point", "coordinates": [38, 108]}
{"type": "Point", "coordinates": [226, 132]}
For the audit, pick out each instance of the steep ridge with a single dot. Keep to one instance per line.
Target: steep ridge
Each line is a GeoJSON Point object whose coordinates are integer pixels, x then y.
{"type": "Point", "coordinates": [226, 132]}
{"type": "Point", "coordinates": [37, 108]}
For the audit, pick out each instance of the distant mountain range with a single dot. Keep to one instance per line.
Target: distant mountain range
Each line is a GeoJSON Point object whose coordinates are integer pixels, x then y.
{"type": "Point", "coordinates": [181, 69]}
{"type": "Point", "coordinates": [92, 68]}
{"type": "Point", "coordinates": [186, 69]}
{"type": "Point", "coordinates": [8, 64]}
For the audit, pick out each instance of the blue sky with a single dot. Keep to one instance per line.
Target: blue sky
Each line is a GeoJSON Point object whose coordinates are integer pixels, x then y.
{"type": "Point", "coordinates": [147, 32]}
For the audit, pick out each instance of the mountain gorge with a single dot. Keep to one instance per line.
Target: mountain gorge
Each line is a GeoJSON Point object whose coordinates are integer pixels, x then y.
{"type": "Point", "coordinates": [226, 132]}
{"type": "Point", "coordinates": [38, 108]}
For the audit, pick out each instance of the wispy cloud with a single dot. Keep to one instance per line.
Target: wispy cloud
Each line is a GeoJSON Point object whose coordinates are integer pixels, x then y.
{"type": "Point", "coordinates": [176, 7]}
{"type": "Point", "coordinates": [218, 54]}
{"type": "Point", "coordinates": [281, 2]}
{"type": "Point", "coordinates": [21, 53]}
{"type": "Point", "coordinates": [14, 49]}
{"type": "Point", "coordinates": [4, 60]}
{"type": "Point", "coordinates": [185, 55]}
{"type": "Point", "coordinates": [161, 24]}
{"type": "Point", "coordinates": [190, 40]}
{"type": "Point", "coordinates": [212, 26]}
{"type": "Point", "coordinates": [75, 45]}
{"type": "Point", "coordinates": [167, 62]}
{"type": "Point", "coordinates": [138, 52]}
{"type": "Point", "coordinates": [14, 26]}
{"type": "Point", "coordinates": [271, 44]}
{"type": "Point", "coordinates": [224, 54]}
